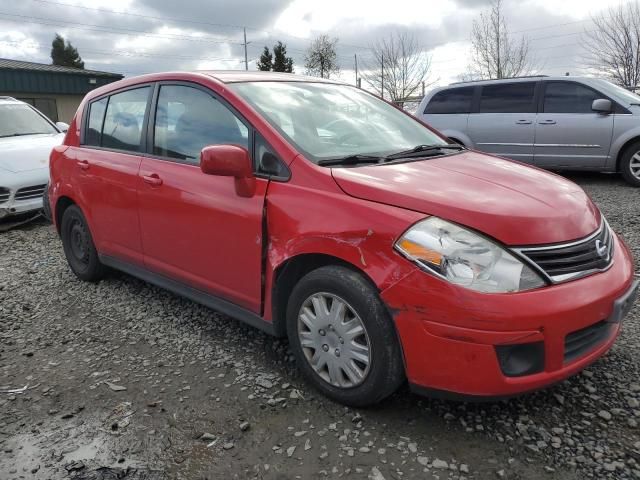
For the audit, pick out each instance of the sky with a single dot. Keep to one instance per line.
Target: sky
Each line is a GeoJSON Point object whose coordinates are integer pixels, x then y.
{"type": "Point", "coordinates": [133, 37]}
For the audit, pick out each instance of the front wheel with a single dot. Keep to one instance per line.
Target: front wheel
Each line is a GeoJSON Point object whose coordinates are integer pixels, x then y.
{"type": "Point", "coordinates": [630, 165]}
{"type": "Point", "coordinates": [343, 338]}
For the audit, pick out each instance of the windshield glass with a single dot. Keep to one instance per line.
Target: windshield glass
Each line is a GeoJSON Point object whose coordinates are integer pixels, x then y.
{"type": "Point", "coordinates": [327, 121]}
{"type": "Point", "coordinates": [17, 119]}
{"type": "Point", "coordinates": [621, 92]}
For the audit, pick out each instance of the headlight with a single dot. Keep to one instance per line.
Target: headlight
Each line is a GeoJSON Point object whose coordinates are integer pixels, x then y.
{"type": "Point", "coordinates": [465, 258]}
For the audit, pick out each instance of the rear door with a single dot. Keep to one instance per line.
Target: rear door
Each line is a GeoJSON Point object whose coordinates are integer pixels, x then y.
{"type": "Point", "coordinates": [195, 227]}
{"type": "Point", "coordinates": [568, 133]}
{"type": "Point", "coordinates": [505, 120]}
{"type": "Point", "coordinates": [106, 170]}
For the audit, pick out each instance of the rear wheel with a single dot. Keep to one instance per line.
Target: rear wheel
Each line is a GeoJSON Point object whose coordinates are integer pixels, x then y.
{"type": "Point", "coordinates": [630, 165]}
{"type": "Point", "coordinates": [79, 247]}
{"type": "Point", "coordinates": [343, 337]}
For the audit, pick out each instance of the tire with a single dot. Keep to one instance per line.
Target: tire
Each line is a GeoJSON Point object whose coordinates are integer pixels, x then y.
{"type": "Point", "coordinates": [630, 165]}
{"type": "Point", "coordinates": [353, 382]}
{"type": "Point", "coordinates": [79, 247]}
{"type": "Point", "coordinates": [46, 206]}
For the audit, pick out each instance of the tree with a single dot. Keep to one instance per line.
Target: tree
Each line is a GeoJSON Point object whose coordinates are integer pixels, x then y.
{"type": "Point", "coordinates": [266, 60]}
{"type": "Point", "coordinates": [278, 62]}
{"type": "Point", "coordinates": [65, 54]}
{"type": "Point", "coordinates": [401, 66]}
{"type": "Point", "coordinates": [281, 63]}
{"type": "Point", "coordinates": [494, 52]}
{"type": "Point", "coordinates": [321, 59]}
{"type": "Point", "coordinates": [613, 46]}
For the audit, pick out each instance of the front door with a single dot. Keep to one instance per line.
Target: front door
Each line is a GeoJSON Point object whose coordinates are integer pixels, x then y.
{"type": "Point", "coordinates": [505, 122]}
{"type": "Point", "coordinates": [195, 227]}
{"type": "Point", "coordinates": [568, 132]}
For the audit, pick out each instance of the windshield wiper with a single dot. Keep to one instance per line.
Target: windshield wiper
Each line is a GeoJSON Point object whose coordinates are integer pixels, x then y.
{"type": "Point", "coordinates": [21, 134]}
{"type": "Point", "coordinates": [423, 149]}
{"type": "Point", "coordinates": [351, 160]}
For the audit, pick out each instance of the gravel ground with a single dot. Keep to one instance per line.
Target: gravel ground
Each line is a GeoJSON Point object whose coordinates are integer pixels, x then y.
{"type": "Point", "coordinates": [124, 380]}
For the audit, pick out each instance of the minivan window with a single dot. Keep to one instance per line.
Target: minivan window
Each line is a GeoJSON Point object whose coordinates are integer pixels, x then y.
{"type": "Point", "coordinates": [514, 97]}
{"type": "Point", "coordinates": [188, 119]}
{"type": "Point", "coordinates": [123, 121]}
{"type": "Point", "coordinates": [455, 100]}
{"type": "Point", "coordinates": [569, 97]}
{"type": "Point", "coordinates": [94, 124]}
{"type": "Point", "coordinates": [326, 121]}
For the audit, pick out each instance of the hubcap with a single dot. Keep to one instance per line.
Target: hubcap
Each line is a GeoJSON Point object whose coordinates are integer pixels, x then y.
{"type": "Point", "coordinates": [334, 340]}
{"type": "Point", "coordinates": [634, 165]}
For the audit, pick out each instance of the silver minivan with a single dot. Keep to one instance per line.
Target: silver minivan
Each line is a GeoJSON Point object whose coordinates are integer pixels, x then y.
{"type": "Point", "coordinates": [559, 123]}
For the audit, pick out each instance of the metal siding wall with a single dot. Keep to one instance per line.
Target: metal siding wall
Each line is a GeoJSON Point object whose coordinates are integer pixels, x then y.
{"type": "Point", "coordinates": [24, 81]}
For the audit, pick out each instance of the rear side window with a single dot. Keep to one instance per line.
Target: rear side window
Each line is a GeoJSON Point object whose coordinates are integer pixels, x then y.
{"type": "Point", "coordinates": [569, 97]}
{"type": "Point", "coordinates": [124, 118]}
{"type": "Point", "coordinates": [94, 125]}
{"type": "Point", "coordinates": [508, 98]}
{"type": "Point", "coordinates": [456, 100]}
{"type": "Point", "coordinates": [188, 119]}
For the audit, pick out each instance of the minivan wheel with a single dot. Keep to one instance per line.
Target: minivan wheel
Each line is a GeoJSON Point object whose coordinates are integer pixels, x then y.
{"type": "Point", "coordinates": [343, 338]}
{"type": "Point", "coordinates": [79, 247]}
{"type": "Point", "coordinates": [630, 165]}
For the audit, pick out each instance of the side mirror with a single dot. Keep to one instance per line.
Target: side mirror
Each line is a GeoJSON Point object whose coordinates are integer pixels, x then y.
{"type": "Point", "coordinates": [62, 126]}
{"type": "Point", "coordinates": [602, 105]}
{"type": "Point", "coordinates": [230, 161]}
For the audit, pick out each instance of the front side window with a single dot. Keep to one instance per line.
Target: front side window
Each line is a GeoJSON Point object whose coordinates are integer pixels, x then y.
{"type": "Point", "coordinates": [568, 97]}
{"type": "Point", "coordinates": [456, 100]}
{"type": "Point", "coordinates": [514, 97]}
{"type": "Point", "coordinates": [124, 118]}
{"type": "Point", "coordinates": [326, 121]}
{"type": "Point", "coordinates": [188, 119]}
{"type": "Point", "coordinates": [17, 119]}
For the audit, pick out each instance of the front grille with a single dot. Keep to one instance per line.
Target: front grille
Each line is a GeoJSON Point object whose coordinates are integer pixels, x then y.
{"type": "Point", "coordinates": [581, 342]}
{"type": "Point", "coordinates": [4, 194]}
{"type": "Point", "coordinates": [572, 260]}
{"type": "Point", "coordinates": [27, 193]}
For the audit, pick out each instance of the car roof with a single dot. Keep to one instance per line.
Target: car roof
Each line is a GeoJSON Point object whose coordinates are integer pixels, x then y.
{"type": "Point", "coordinates": [235, 76]}
{"type": "Point", "coordinates": [532, 78]}
{"type": "Point", "coordinates": [9, 101]}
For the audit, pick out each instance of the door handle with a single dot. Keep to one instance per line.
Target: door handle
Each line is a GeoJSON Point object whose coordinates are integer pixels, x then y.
{"type": "Point", "coordinates": [523, 122]}
{"type": "Point", "coordinates": [547, 122]}
{"type": "Point", "coordinates": [83, 164]}
{"type": "Point", "coordinates": [152, 179]}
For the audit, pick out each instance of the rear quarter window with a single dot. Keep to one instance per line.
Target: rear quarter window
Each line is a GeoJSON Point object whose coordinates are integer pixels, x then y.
{"type": "Point", "coordinates": [455, 100]}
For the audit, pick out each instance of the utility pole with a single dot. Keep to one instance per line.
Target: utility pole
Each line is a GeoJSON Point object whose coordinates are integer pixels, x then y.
{"type": "Point", "coordinates": [246, 62]}
{"type": "Point", "coordinates": [382, 76]}
{"type": "Point", "coordinates": [355, 57]}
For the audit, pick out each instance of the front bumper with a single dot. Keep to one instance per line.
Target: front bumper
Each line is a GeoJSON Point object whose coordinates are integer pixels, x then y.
{"type": "Point", "coordinates": [450, 335]}
{"type": "Point", "coordinates": [19, 206]}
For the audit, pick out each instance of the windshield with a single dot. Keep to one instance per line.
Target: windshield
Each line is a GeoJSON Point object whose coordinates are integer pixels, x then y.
{"type": "Point", "coordinates": [327, 121]}
{"type": "Point", "coordinates": [17, 119]}
{"type": "Point", "coordinates": [620, 92]}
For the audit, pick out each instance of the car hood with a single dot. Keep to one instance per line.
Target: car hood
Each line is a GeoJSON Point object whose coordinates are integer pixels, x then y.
{"type": "Point", "coordinates": [511, 202]}
{"type": "Point", "coordinates": [31, 152]}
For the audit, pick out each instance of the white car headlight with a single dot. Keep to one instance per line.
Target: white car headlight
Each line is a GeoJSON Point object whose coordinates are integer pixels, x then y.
{"type": "Point", "coordinates": [465, 258]}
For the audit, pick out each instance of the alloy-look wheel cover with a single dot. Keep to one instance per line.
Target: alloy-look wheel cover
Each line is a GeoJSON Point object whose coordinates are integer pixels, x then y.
{"type": "Point", "coordinates": [334, 340]}
{"type": "Point", "coordinates": [634, 165]}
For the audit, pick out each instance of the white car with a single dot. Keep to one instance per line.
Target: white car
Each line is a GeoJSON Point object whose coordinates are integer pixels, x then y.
{"type": "Point", "coordinates": [26, 140]}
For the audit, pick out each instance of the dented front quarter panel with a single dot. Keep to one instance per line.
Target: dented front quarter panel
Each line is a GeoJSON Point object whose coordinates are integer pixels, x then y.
{"type": "Point", "coordinates": [313, 216]}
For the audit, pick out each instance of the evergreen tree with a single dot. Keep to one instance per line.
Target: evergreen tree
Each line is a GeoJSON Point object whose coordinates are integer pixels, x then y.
{"type": "Point", "coordinates": [281, 63]}
{"type": "Point", "coordinates": [266, 60]}
{"type": "Point", "coordinates": [65, 54]}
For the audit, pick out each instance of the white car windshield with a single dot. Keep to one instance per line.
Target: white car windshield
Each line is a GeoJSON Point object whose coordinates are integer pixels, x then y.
{"type": "Point", "coordinates": [326, 121]}
{"type": "Point", "coordinates": [17, 119]}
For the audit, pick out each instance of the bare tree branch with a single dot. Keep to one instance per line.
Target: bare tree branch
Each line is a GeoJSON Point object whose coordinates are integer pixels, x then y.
{"type": "Point", "coordinates": [404, 63]}
{"type": "Point", "coordinates": [321, 59]}
{"type": "Point", "coordinates": [493, 51]}
{"type": "Point", "coordinates": [613, 46]}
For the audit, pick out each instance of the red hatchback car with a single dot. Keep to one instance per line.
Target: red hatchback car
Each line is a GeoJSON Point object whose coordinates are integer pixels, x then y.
{"type": "Point", "coordinates": [316, 210]}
